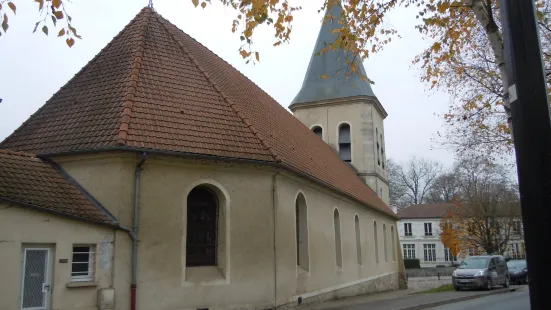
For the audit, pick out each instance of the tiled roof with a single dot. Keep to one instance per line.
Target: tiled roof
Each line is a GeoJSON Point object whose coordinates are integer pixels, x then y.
{"type": "Point", "coordinates": [333, 61]}
{"type": "Point", "coordinates": [32, 182]}
{"type": "Point", "coordinates": [435, 210]}
{"type": "Point", "coordinates": [154, 87]}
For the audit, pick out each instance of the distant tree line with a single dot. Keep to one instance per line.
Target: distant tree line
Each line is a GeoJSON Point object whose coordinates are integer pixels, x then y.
{"type": "Point", "coordinates": [486, 211]}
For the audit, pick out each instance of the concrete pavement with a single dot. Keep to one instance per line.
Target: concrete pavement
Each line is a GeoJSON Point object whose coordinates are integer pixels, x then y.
{"type": "Point", "coordinates": [519, 300]}
{"type": "Point", "coordinates": [403, 300]}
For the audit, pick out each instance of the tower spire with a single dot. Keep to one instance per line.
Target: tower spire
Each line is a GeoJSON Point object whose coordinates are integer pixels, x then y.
{"type": "Point", "coordinates": [333, 86]}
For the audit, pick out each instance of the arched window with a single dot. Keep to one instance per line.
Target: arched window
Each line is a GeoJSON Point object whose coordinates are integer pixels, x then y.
{"type": "Point", "coordinates": [358, 241]}
{"type": "Point", "coordinates": [378, 146]}
{"type": "Point", "coordinates": [202, 230]}
{"type": "Point", "coordinates": [392, 243]}
{"type": "Point", "coordinates": [338, 248]}
{"type": "Point", "coordinates": [382, 151]}
{"type": "Point", "coordinates": [376, 242]}
{"type": "Point", "coordinates": [385, 248]}
{"type": "Point", "coordinates": [318, 131]}
{"type": "Point", "coordinates": [345, 148]}
{"type": "Point", "coordinates": [301, 216]}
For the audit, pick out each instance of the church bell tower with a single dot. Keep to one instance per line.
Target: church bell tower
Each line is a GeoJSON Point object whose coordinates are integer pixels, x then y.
{"type": "Point", "coordinates": [344, 111]}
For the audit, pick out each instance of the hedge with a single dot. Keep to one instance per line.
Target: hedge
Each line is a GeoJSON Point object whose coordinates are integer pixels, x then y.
{"type": "Point", "coordinates": [411, 263]}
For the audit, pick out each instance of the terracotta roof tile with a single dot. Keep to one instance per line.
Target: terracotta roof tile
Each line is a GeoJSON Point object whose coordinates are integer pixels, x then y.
{"type": "Point", "coordinates": [32, 182]}
{"type": "Point", "coordinates": [433, 210]}
{"type": "Point", "coordinates": [154, 87]}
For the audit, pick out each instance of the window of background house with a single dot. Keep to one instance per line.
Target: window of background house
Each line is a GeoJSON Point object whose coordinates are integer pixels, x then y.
{"type": "Point", "coordinates": [428, 229]}
{"type": "Point", "coordinates": [409, 250]}
{"type": "Point", "coordinates": [392, 243]}
{"type": "Point", "coordinates": [345, 148]}
{"type": "Point", "coordinates": [448, 255]}
{"type": "Point", "coordinates": [430, 252]}
{"type": "Point", "coordinates": [407, 229]}
{"type": "Point", "coordinates": [82, 265]}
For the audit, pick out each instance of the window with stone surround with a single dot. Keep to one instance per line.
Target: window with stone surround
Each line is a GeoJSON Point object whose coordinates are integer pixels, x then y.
{"type": "Point", "coordinates": [318, 131]}
{"type": "Point", "coordinates": [301, 217]}
{"type": "Point", "coordinates": [345, 143]}
{"type": "Point", "coordinates": [338, 246]}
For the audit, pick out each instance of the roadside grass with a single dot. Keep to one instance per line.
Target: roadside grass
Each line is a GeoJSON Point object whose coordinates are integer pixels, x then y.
{"type": "Point", "coordinates": [442, 288]}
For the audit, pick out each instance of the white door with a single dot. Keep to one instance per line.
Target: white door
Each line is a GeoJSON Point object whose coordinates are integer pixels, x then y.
{"type": "Point", "coordinates": [35, 293]}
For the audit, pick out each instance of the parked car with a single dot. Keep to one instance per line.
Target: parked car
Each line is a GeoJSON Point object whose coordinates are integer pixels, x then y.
{"type": "Point", "coordinates": [483, 271]}
{"type": "Point", "coordinates": [518, 271]}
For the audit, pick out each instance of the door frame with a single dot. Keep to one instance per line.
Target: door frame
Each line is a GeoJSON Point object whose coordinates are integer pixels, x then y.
{"type": "Point", "coordinates": [49, 273]}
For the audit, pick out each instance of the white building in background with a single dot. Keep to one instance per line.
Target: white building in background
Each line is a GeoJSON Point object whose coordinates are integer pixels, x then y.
{"type": "Point", "coordinates": [419, 233]}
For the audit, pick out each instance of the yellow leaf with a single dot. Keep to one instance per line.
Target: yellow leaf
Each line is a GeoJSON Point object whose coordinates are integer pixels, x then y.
{"type": "Point", "coordinates": [58, 14]}
{"type": "Point", "coordinates": [257, 55]}
{"type": "Point", "coordinates": [203, 4]}
{"type": "Point", "coordinates": [195, 2]}
{"type": "Point", "coordinates": [436, 46]}
{"type": "Point", "coordinates": [61, 33]}
{"type": "Point", "coordinates": [70, 42]}
{"type": "Point", "coordinates": [12, 6]}
{"type": "Point", "coordinates": [56, 3]}
{"type": "Point", "coordinates": [41, 4]}
{"type": "Point", "coordinates": [443, 6]}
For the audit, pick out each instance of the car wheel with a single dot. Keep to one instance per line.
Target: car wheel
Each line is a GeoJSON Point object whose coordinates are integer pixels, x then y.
{"type": "Point", "coordinates": [456, 288]}
{"type": "Point", "coordinates": [506, 283]}
{"type": "Point", "coordinates": [488, 285]}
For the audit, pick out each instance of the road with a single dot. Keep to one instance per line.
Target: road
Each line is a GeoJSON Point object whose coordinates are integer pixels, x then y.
{"type": "Point", "coordinates": [518, 300]}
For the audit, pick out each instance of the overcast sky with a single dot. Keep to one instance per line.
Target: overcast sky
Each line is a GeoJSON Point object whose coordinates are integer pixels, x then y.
{"type": "Point", "coordinates": [33, 66]}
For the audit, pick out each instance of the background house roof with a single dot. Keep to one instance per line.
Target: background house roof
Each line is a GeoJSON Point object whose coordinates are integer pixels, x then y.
{"type": "Point", "coordinates": [419, 211]}
{"type": "Point", "coordinates": [153, 87]}
{"type": "Point", "coordinates": [32, 182]}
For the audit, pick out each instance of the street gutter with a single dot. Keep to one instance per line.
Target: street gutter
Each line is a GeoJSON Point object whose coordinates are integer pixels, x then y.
{"type": "Point", "coordinates": [458, 299]}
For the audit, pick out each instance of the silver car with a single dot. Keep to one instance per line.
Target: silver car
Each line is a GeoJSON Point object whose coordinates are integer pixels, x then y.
{"type": "Point", "coordinates": [484, 271]}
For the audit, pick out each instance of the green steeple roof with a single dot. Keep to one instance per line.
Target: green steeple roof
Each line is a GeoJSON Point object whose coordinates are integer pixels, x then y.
{"type": "Point", "coordinates": [316, 88]}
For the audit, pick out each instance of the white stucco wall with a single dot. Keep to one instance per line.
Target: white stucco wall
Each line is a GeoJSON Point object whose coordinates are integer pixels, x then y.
{"type": "Point", "coordinates": [250, 276]}
{"type": "Point", "coordinates": [21, 227]}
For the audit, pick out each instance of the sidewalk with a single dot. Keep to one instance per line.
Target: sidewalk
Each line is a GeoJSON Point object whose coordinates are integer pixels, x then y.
{"type": "Point", "coordinates": [403, 300]}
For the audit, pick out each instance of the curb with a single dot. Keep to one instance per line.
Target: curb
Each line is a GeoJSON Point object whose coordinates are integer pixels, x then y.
{"type": "Point", "coordinates": [459, 299]}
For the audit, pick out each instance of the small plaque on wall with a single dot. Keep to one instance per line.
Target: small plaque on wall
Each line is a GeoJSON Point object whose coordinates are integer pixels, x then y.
{"type": "Point", "coordinates": [63, 260]}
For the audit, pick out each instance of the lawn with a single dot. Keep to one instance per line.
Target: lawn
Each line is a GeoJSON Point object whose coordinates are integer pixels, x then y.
{"type": "Point", "coordinates": [442, 288]}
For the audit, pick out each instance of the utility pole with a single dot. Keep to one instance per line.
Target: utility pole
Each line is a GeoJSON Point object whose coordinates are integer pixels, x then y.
{"type": "Point", "coordinates": [532, 136]}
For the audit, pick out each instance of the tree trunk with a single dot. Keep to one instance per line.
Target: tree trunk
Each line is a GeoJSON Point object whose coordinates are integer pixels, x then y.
{"type": "Point", "coordinates": [483, 13]}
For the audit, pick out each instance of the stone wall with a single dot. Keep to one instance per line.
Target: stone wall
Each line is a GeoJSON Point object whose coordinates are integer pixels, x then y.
{"type": "Point", "coordinates": [379, 284]}
{"type": "Point", "coordinates": [430, 272]}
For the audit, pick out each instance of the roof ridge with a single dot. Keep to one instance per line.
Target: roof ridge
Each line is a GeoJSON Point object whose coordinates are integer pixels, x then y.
{"type": "Point", "coordinates": [130, 92]}
{"type": "Point", "coordinates": [68, 82]}
{"type": "Point", "coordinates": [232, 105]}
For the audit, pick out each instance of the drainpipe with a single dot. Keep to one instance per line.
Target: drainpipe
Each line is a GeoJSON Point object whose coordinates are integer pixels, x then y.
{"type": "Point", "coordinates": [134, 233]}
{"type": "Point", "coordinates": [274, 203]}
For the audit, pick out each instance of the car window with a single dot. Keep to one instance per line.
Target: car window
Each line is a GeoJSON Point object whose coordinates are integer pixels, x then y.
{"type": "Point", "coordinates": [492, 262]}
{"type": "Point", "coordinates": [474, 262]}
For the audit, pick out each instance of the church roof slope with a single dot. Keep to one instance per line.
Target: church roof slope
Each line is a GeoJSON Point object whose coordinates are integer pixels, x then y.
{"type": "Point", "coordinates": [332, 64]}
{"type": "Point", "coordinates": [154, 87]}
{"type": "Point", "coordinates": [29, 181]}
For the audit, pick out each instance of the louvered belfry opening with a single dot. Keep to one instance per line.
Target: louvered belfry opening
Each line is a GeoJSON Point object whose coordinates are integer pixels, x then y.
{"type": "Point", "coordinates": [202, 227]}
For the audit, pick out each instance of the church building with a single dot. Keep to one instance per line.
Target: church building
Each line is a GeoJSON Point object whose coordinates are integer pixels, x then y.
{"type": "Point", "coordinates": [160, 178]}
